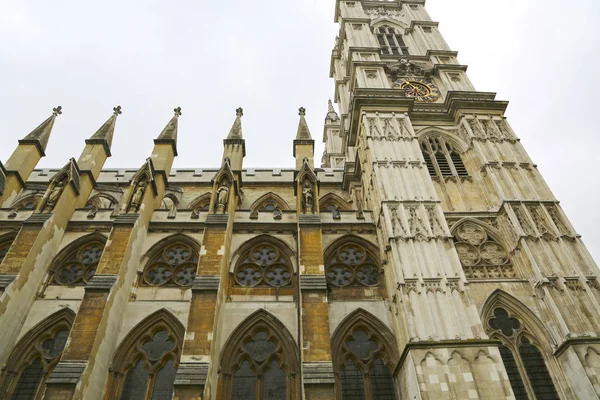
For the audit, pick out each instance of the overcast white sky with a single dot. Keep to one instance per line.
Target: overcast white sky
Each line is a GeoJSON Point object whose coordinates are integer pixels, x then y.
{"type": "Point", "coordinates": [271, 57]}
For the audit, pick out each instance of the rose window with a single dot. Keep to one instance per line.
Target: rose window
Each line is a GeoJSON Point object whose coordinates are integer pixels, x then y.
{"type": "Point", "coordinates": [81, 266]}
{"type": "Point", "coordinates": [352, 265]}
{"type": "Point", "coordinates": [480, 255]}
{"type": "Point", "coordinates": [264, 265]}
{"type": "Point", "coordinates": [176, 265]}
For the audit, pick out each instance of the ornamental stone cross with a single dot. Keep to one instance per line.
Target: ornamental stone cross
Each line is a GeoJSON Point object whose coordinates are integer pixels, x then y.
{"type": "Point", "coordinates": [177, 111]}
{"type": "Point", "coordinates": [239, 112]}
{"type": "Point", "coordinates": [57, 110]}
{"type": "Point", "coordinates": [302, 111]}
{"type": "Point", "coordinates": [117, 111]}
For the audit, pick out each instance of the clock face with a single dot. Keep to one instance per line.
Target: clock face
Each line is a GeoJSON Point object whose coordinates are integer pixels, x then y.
{"type": "Point", "coordinates": [418, 88]}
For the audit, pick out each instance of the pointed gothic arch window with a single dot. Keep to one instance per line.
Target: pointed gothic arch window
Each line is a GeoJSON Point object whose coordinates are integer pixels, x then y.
{"type": "Point", "coordinates": [77, 264]}
{"type": "Point", "coordinates": [390, 41]}
{"type": "Point", "coordinates": [172, 263]}
{"type": "Point", "coordinates": [200, 205]}
{"type": "Point", "coordinates": [350, 263]}
{"type": "Point", "coordinates": [259, 361]}
{"type": "Point", "coordinates": [364, 355]}
{"type": "Point", "coordinates": [35, 356]}
{"type": "Point", "coordinates": [145, 363]}
{"type": "Point", "coordinates": [442, 157]}
{"type": "Point", "coordinates": [271, 203]}
{"type": "Point", "coordinates": [481, 256]}
{"type": "Point", "coordinates": [522, 357]}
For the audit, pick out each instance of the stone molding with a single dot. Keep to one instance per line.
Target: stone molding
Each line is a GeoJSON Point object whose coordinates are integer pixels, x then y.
{"type": "Point", "coordinates": [313, 283]}
{"type": "Point", "coordinates": [101, 282]}
{"type": "Point", "coordinates": [37, 219]}
{"type": "Point", "coordinates": [206, 284]}
{"type": "Point", "coordinates": [217, 219]}
{"type": "Point", "coordinates": [191, 374]}
{"type": "Point", "coordinates": [309, 219]}
{"type": "Point", "coordinates": [2, 178]}
{"type": "Point", "coordinates": [126, 219]}
{"type": "Point", "coordinates": [66, 373]}
{"type": "Point", "coordinates": [318, 373]}
{"type": "Point", "coordinates": [6, 280]}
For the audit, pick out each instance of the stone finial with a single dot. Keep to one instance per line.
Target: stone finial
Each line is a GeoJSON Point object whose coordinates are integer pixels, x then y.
{"type": "Point", "coordinates": [239, 112]}
{"type": "Point", "coordinates": [104, 135]}
{"type": "Point", "coordinates": [57, 110]}
{"type": "Point", "coordinates": [302, 111]}
{"type": "Point", "coordinates": [236, 130]}
{"type": "Point", "coordinates": [177, 111]}
{"type": "Point", "coordinates": [331, 113]}
{"type": "Point", "coordinates": [330, 106]}
{"type": "Point", "coordinates": [303, 131]}
{"type": "Point", "coordinates": [117, 111]}
{"type": "Point", "coordinates": [169, 134]}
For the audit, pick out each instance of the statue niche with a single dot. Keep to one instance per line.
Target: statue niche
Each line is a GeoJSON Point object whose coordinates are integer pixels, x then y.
{"type": "Point", "coordinates": [52, 195]}
{"type": "Point", "coordinates": [137, 197]}
{"type": "Point", "coordinates": [308, 197]}
{"type": "Point", "coordinates": [222, 196]}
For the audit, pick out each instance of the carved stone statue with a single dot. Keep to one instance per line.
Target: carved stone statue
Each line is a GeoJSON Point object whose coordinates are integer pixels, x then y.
{"type": "Point", "coordinates": [53, 196]}
{"type": "Point", "coordinates": [308, 201]}
{"type": "Point", "coordinates": [222, 197]}
{"type": "Point", "coordinates": [136, 198]}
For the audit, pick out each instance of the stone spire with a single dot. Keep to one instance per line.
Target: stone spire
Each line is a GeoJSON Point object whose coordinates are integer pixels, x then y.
{"type": "Point", "coordinates": [303, 131]}
{"type": "Point", "coordinates": [304, 145]}
{"type": "Point", "coordinates": [235, 145]}
{"type": "Point", "coordinates": [332, 116]}
{"type": "Point", "coordinates": [169, 134]}
{"type": "Point", "coordinates": [104, 135]}
{"type": "Point", "coordinates": [236, 130]}
{"type": "Point", "coordinates": [40, 135]}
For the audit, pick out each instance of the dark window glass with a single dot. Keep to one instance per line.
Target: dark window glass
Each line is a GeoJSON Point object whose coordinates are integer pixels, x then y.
{"type": "Point", "coordinates": [353, 387]}
{"type": "Point", "coordinates": [538, 374]}
{"type": "Point", "coordinates": [268, 207]}
{"type": "Point", "coordinates": [461, 170]}
{"type": "Point", "coordinates": [135, 383]}
{"type": "Point", "coordinates": [158, 345]}
{"type": "Point", "coordinates": [55, 346]}
{"type": "Point", "coordinates": [29, 381]}
{"type": "Point", "coordinates": [3, 250]}
{"type": "Point", "coordinates": [244, 383]}
{"type": "Point", "coordinates": [382, 384]}
{"type": "Point", "coordinates": [512, 370]}
{"type": "Point", "coordinates": [260, 347]}
{"type": "Point", "coordinates": [503, 322]}
{"type": "Point", "coordinates": [274, 383]}
{"type": "Point", "coordinates": [163, 385]}
{"type": "Point", "coordinates": [361, 345]}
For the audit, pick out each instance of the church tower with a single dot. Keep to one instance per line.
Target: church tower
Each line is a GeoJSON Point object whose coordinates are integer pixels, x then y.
{"type": "Point", "coordinates": [425, 259]}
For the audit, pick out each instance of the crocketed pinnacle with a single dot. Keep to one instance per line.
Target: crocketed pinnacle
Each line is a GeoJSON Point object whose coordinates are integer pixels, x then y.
{"type": "Point", "coordinates": [303, 131]}
{"type": "Point", "coordinates": [40, 135]}
{"type": "Point", "coordinates": [331, 114]}
{"type": "Point", "coordinates": [104, 135]}
{"type": "Point", "coordinates": [169, 134]}
{"type": "Point", "coordinates": [236, 130]}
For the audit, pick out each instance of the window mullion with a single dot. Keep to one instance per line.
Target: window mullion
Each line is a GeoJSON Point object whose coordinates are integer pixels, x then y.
{"type": "Point", "coordinates": [514, 347]}
{"type": "Point", "coordinates": [368, 388]}
{"type": "Point", "coordinates": [259, 386]}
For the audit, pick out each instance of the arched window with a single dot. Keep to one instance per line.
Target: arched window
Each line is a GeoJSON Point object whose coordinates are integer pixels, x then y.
{"type": "Point", "coordinates": [442, 158]}
{"type": "Point", "coordinates": [352, 264]}
{"type": "Point", "coordinates": [269, 203]}
{"type": "Point", "coordinates": [481, 256]}
{"type": "Point", "coordinates": [265, 264]}
{"type": "Point", "coordinates": [523, 360]}
{"type": "Point", "coordinates": [172, 264]}
{"type": "Point", "coordinates": [146, 362]}
{"type": "Point", "coordinates": [78, 264]}
{"type": "Point", "coordinates": [390, 41]}
{"type": "Point", "coordinates": [364, 355]}
{"type": "Point", "coordinates": [199, 205]}
{"type": "Point", "coordinates": [259, 361]}
{"type": "Point", "coordinates": [35, 356]}
{"type": "Point", "coordinates": [28, 203]}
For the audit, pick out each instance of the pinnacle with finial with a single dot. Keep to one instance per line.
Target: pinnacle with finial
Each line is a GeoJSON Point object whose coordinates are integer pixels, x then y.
{"type": "Point", "coordinates": [104, 135]}
{"type": "Point", "coordinates": [169, 134]}
{"type": "Point", "coordinates": [40, 135]}
{"type": "Point", "coordinates": [236, 130]}
{"type": "Point", "coordinates": [177, 111]}
{"type": "Point", "coordinates": [303, 131]}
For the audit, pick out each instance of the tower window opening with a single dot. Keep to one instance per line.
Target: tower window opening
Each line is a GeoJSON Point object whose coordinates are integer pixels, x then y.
{"type": "Point", "coordinates": [390, 41]}
{"type": "Point", "coordinates": [441, 158]}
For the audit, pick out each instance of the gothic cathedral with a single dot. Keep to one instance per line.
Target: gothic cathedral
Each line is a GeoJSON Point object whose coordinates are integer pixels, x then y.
{"type": "Point", "coordinates": [425, 259]}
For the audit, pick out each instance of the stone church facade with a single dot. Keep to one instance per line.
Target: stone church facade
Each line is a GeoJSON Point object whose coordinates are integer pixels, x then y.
{"type": "Point", "coordinates": [425, 259]}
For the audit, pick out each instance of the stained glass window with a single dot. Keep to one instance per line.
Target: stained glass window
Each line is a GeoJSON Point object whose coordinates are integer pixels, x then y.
{"type": "Point", "coordinates": [353, 387]}
{"type": "Point", "coordinates": [514, 376]}
{"type": "Point", "coordinates": [537, 372]}
{"type": "Point", "coordinates": [264, 265]}
{"type": "Point", "coordinates": [244, 383]}
{"type": "Point", "coordinates": [176, 265]}
{"type": "Point", "coordinates": [274, 386]}
{"type": "Point", "coordinates": [352, 265]}
{"type": "Point", "coordinates": [80, 266]}
{"type": "Point", "coordinates": [382, 383]}
{"type": "Point", "coordinates": [151, 359]}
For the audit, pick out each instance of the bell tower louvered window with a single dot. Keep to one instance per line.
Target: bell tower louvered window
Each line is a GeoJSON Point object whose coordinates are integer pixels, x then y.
{"type": "Point", "coordinates": [442, 158]}
{"type": "Point", "coordinates": [390, 41]}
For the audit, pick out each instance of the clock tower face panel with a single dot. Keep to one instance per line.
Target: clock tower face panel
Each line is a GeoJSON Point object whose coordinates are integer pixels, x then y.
{"type": "Point", "coordinates": [418, 88]}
